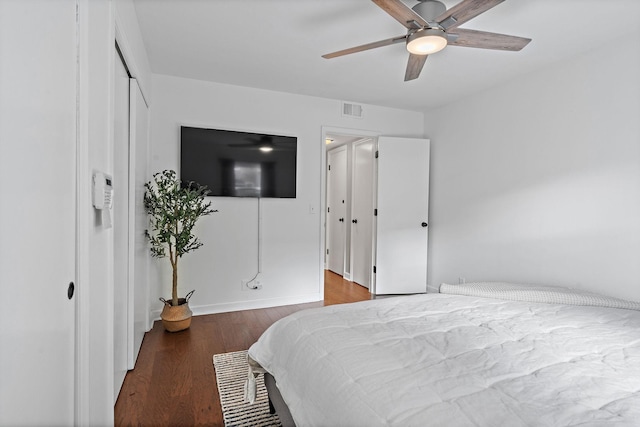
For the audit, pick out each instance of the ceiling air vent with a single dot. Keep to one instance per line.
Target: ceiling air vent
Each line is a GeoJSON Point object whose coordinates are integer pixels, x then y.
{"type": "Point", "coordinates": [351, 110]}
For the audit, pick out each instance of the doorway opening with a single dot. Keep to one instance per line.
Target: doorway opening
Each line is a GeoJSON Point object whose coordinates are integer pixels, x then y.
{"type": "Point", "coordinates": [348, 197]}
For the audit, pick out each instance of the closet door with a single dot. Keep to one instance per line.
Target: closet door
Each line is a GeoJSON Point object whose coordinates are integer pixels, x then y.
{"type": "Point", "coordinates": [121, 273]}
{"type": "Point", "coordinates": [38, 212]}
{"type": "Point", "coordinates": [403, 207]}
{"type": "Point", "coordinates": [138, 302]}
{"type": "Point", "coordinates": [336, 209]}
{"type": "Point", "coordinates": [362, 212]}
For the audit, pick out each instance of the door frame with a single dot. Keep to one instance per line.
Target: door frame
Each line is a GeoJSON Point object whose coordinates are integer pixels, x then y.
{"type": "Point", "coordinates": [89, 404]}
{"type": "Point", "coordinates": [327, 130]}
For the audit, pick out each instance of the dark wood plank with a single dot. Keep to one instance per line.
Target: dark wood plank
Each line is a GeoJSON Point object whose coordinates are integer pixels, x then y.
{"type": "Point", "coordinates": [174, 381]}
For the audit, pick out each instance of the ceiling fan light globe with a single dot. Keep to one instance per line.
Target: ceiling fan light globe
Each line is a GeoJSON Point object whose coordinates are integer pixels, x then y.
{"type": "Point", "coordinates": [426, 42]}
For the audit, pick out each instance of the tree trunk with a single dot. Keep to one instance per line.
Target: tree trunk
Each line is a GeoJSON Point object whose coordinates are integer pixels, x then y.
{"type": "Point", "coordinates": [174, 288]}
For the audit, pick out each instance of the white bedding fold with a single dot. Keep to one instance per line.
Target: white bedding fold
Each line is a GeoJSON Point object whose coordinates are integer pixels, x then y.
{"type": "Point", "coordinates": [545, 294]}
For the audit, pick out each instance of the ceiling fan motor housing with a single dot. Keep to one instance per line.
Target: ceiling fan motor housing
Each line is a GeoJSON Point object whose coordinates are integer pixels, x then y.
{"type": "Point", "coordinates": [429, 10]}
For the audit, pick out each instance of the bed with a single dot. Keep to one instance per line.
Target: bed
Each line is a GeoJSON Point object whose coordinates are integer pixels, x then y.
{"type": "Point", "coordinates": [481, 354]}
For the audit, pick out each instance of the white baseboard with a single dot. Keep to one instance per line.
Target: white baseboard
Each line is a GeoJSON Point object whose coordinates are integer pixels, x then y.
{"type": "Point", "coordinates": [247, 305]}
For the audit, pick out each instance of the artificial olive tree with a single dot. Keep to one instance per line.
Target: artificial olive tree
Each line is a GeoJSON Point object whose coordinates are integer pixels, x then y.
{"type": "Point", "coordinates": [173, 210]}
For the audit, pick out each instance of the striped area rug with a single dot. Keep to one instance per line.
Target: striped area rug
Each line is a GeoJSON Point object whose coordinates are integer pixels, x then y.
{"type": "Point", "coordinates": [231, 373]}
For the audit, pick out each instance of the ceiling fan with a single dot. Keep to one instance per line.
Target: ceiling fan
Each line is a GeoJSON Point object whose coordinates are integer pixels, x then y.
{"type": "Point", "coordinates": [431, 27]}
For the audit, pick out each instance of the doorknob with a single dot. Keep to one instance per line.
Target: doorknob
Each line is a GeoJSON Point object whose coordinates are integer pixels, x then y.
{"type": "Point", "coordinates": [355, 221]}
{"type": "Point", "coordinates": [424, 224]}
{"type": "Point", "coordinates": [341, 220]}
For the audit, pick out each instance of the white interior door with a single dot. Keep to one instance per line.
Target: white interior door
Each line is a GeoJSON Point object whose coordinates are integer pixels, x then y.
{"type": "Point", "coordinates": [37, 212]}
{"type": "Point", "coordinates": [121, 243]}
{"type": "Point", "coordinates": [336, 208]}
{"type": "Point", "coordinates": [362, 205]}
{"type": "Point", "coordinates": [138, 314]}
{"type": "Point", "coordinates": [403, 206]}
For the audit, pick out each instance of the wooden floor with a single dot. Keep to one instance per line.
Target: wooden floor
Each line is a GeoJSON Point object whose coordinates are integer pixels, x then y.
{"type": "Point", "coordinates": [174, 384]}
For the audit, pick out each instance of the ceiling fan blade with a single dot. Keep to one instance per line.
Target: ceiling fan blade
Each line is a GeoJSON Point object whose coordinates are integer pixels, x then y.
{"type": "Point", "coordinates": [414, 66]}
{"type": "Point", "coordinates": [402, 13]}
{"type": "Point", "coordinates": [464, 11]}
{"type": "Point", "coordinates": [367, 46]}
{"type": "Point", "coordinates": [485, 40]}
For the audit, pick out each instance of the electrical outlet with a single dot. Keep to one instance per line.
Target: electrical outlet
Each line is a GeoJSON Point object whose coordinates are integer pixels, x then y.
{"type": "Point", "coordinates": [461, 280]}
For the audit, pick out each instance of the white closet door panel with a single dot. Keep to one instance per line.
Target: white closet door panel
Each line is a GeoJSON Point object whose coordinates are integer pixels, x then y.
{"type": "Point", "coordinates": [120, 223]}
{"type": "Point", "coordinates": [336, 203]}
{"type": "Point", "coordinates": [138, 223]}
{"type": "Point", "coordinates": [403, 206]}
{"type": "Point", "coordinates": [362, 212]}
{"type": "Point", "coordinates": [37, 212]}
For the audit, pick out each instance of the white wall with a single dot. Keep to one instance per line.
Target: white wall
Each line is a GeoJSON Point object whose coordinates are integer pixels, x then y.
{"type": "Point", "coordinates": [291, 234]}
{"type": "Point", "coordinates": [538, 180]}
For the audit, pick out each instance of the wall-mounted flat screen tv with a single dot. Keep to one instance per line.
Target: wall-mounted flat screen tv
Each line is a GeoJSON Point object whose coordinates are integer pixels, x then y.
{"type": "Point", "coordinates": [239, 164]}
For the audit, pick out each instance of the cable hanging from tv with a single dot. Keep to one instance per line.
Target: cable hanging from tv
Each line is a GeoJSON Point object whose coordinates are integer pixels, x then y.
{"type": "Point", "coordinates": [253, 283]}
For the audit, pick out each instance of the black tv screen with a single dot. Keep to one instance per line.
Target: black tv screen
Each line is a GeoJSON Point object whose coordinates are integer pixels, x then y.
{"type": "Point", "coordinates": [239, 164]}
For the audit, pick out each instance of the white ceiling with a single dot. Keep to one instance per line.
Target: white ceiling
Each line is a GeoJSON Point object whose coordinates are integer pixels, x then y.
{"type": "Point", "coordinates": [277, 45]}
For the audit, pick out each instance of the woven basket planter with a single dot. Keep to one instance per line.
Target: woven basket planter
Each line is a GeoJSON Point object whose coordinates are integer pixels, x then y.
{"type": "Point", "coordinates": [176, 318]}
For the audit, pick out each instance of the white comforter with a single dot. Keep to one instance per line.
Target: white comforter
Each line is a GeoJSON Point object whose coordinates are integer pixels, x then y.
{"type": "Point", "coordinates": [450, 360]}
